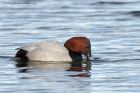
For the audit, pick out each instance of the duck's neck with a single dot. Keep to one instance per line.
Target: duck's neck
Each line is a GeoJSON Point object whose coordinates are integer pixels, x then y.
{"type": "Point", "coordinates": [75, 56]}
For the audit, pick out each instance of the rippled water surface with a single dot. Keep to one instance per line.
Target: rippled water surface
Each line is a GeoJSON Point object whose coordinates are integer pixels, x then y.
{"type": "Point", "coordinates": [113, 27]}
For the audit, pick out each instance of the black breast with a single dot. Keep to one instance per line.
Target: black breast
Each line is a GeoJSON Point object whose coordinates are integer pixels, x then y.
{"type": "Point", "coordinates": [75, 56]}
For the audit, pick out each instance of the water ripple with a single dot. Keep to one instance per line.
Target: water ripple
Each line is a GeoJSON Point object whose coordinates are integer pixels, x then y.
{"type": "Point", "coordinates": [135, 13]}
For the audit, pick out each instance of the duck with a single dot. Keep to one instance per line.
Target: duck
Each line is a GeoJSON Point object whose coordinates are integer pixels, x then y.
{"type": "Point", "coordinates": [72, 50]}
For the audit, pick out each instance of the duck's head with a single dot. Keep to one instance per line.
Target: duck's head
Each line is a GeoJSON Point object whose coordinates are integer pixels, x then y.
{"type": "Point", "coordinates": [79, 45]}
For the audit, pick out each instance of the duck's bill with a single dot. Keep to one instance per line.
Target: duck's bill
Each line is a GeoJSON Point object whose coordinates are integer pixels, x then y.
{"type": "Point", "coordinates": [88, 55]}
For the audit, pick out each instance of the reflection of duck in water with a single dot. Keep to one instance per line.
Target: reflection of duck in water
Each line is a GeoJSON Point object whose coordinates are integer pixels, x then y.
{"type": "Point", "coordinates": [72, 50]}
{"type": "Point", "coordinates": [82, 67]}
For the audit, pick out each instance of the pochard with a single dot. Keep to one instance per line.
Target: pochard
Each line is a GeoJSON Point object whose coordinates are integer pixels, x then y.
{"type": "Point", "coordinates": [71, 50]}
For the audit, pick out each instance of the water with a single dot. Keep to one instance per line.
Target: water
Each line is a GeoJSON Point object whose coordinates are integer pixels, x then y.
{"type": "Point", "coordinates": [114, 30]}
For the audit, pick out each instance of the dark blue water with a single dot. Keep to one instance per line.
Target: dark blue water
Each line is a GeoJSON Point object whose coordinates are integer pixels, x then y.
{"type": "Point", "coordinates": [114, 30]}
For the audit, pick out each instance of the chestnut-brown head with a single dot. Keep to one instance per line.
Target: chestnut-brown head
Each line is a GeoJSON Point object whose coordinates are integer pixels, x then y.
{"type": "Point", "coordinates": [79, 45]}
